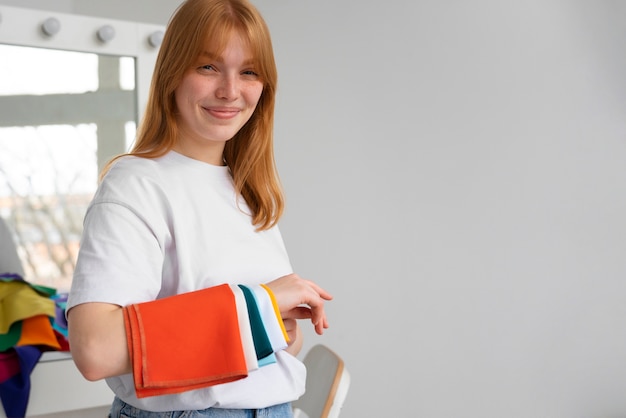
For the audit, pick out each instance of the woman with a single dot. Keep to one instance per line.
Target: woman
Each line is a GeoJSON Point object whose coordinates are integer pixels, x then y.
{"type": "Point", "coordinates": [193, 208]}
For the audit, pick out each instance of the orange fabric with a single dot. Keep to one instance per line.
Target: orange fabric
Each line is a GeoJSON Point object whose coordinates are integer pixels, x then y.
{"type": "Point", "coordinates": [184, 342]}
{"type": "Point", "coordinates": [37, 330]}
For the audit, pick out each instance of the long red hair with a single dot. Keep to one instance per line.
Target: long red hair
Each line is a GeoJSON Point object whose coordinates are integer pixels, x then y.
{"type": "Point", "coordinates": [250, 153]}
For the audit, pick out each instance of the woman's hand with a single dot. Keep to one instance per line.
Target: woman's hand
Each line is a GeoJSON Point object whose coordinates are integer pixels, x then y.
{"type": "Point", "coordinates": [298, 298]}
{"type": "Point", "coordinates": [295, 336]}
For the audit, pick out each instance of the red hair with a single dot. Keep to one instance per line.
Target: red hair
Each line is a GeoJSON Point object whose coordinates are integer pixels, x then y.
{"type": "Point", "coordinates": [250, 153]}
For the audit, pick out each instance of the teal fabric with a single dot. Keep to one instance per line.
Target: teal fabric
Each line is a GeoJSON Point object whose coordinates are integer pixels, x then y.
{"type": "Point", "coordinates": [262, 344]}
{"type": "Point", "coordinates": [272, 357]}
{"type": "Point", "coordinates": [11, 338]}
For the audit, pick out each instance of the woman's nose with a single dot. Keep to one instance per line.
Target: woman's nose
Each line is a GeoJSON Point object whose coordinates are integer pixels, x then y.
{"type": "Point", "coordinates": [228, 88]}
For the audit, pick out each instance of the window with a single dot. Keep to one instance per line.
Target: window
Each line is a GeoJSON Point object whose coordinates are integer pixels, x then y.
{"type": "Point", "coordinates": [64, 114]}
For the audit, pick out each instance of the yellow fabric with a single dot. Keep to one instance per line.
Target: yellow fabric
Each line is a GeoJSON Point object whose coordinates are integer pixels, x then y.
{"type": "Point", "coordinates": [18, 301]}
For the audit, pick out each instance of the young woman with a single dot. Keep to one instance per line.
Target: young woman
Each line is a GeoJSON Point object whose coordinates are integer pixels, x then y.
{"type": "Point", "coordinates": [181, 238]}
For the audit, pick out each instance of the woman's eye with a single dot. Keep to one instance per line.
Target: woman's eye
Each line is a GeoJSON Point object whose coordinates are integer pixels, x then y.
{"type": "Point", "coordinates": [207, 67]}
{"type": "Point", "coordinates": [250, 72]}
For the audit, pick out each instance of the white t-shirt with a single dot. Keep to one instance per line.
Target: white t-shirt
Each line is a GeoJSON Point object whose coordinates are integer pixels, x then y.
{"type": "Point", "coordinates": [164, 226]}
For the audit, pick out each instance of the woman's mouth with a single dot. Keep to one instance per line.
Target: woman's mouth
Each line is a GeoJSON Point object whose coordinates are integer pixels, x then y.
{"type": "Point", "coordinates": [225, 113]}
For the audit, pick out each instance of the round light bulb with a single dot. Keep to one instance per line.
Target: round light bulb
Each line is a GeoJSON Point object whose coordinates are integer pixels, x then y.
{"type": "Point", "coordinates": [156, 38]}
{"type": "Point", "coordinates": [106, 33]}
{"type": "Point", "coordinates": [51, 26]}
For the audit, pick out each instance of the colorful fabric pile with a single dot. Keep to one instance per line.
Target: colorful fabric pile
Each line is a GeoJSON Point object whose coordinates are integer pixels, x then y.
{"type": "Point", "coordinates": [32, 320]}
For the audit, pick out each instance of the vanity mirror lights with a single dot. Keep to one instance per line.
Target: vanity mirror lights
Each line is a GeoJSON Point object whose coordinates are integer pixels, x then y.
{"type": "Point", "coordinates": [72, 89]}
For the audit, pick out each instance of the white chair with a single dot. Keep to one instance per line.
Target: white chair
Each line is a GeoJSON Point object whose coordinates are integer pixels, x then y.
{"type": "Point", "coordinates": [327, 384]}
{"type": "Point", "coordinates": [9, 260]}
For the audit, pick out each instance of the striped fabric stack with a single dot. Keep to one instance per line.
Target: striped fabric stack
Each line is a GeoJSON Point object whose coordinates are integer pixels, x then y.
{"type": "Point", "coordinates": [202, 338]}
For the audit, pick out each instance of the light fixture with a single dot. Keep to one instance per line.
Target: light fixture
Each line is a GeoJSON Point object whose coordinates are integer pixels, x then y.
{"type": "Point", "coordinates": [155, 39]}
{"type": "Point", "coordinates": [51, 26]}
{"type": "Point", "coordinates": [106, 33]}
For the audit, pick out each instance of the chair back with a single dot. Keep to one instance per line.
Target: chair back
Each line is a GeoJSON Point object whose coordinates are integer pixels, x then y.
{"type": "Point", "coordinates": [9, 260]}
{"type": "Point", "coordinates": [327, 384]}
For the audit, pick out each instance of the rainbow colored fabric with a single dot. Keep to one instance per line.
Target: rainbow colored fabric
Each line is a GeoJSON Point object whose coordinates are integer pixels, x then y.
{"type": "Point", "coordinates": [32, 320]}
{"type": "Point", "coordinates": [218, 335]}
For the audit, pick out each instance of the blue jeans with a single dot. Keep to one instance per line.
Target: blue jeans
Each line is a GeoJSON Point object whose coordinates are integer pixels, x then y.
{"type": "Point", "coordinates": [121, 409]}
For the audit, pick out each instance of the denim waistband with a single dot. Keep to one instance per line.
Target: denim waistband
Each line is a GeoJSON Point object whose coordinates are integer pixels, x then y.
{"type": "Point", "coordinates": [121, 409]}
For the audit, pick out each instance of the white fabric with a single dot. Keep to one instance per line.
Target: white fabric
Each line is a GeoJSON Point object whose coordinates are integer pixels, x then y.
{"type": "Point", "coordinates": [245, 328]}
{"type": "Point", "coordinates": [160, 227]}
{"type": "Point", "coordinates": [272, 327]}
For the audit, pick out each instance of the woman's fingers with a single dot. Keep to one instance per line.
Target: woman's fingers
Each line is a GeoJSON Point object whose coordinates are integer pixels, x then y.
{"type": "Point", "coordinates": [295, 336]}
{"type": "Point", "coordinates": [300, 299]}
{"type": "Point", "coordinates": [299, 312]}
{"type": "Point", "coordinates": [291, 326]}
{"type": "Point", "coordinates": [321, 292]}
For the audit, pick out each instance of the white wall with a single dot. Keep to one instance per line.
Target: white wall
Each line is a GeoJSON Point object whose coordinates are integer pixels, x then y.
{"type": "Point", "coordinates": [455, 176]}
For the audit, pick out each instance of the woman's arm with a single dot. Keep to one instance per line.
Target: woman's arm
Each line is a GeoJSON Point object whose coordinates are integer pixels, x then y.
{"type": "Point", "coordinates": [97, 333]}
{"type": "Point", "coordinates": [97, 338]}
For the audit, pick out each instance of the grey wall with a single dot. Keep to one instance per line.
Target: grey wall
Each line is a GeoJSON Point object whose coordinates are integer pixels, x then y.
{"type": "Point", "coordinates": [455, 177]}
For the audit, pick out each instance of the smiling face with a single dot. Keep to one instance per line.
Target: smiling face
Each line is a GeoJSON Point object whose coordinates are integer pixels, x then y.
{"type": "Point", "coordinates": [215, 98]}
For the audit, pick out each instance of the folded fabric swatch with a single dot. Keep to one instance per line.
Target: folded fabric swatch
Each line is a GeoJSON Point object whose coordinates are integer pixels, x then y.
{"type": "Point", "coordinates": [184, 342]}
{"type": "Point", "coordinates": [245, 329]}
{"type": "Point", "coordinates": [19, 300]}
{"type": "Point", "coordinates": [62, 340]}
{"type": "Point", "coordinates": [60, 304]}
{"type": "Point", "coordinates": [44, 290]}
{"type": "Point", "coordinates": [11, 338]}
{"type": "Point", "coordinates": [262, 343]}
{"type": "Point", "coordinates": [279, 317]}
{"type": "Point", "coordinates": [272, 324]}
{"type": "Point", "coordinates": [37, 330]}
{"type": "Point", "coordinates": [271, 357]}
{"type": "Point", "coordinates": [9, 365]}
{"type": "Point", "coordinates": [15, 391]}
